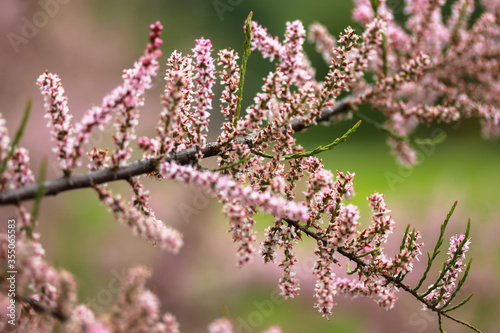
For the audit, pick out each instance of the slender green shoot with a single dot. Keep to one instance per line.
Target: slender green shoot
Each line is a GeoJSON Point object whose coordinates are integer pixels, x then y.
{"type": "Point", "coordinates": [375, 4]}
{"type": "Point", "coordinates": [327, 147]}
{"type": "Point", "coordinates": [317, 150]}
{"type": "Point", "coordinates": [460, 21]}
{"type": "Point", "coordinates": [369, 252]}
{"type": "Point", "coordinates": [42, 174]}
{"type": "Point", "coordinates": [403, 243]}
{"type": "Point", "coordinates": [246, 54]}
{"type": "Point", "coordinates": [459, 304]}
{"type": "Point", "coordinates": [348, 269]}
{"type": "Point", "coordinates": [431, 142]}
{"type": "Point", "coordinates": [436, 248]}
{"type": "Point", "coordinates": [17, 138]}
{"type": "Point", "coordinates": [449, 265]}
{"type": "Point", "coordinates": [229, 166]}
{"type": "Point", "coordinates": [440, 321]}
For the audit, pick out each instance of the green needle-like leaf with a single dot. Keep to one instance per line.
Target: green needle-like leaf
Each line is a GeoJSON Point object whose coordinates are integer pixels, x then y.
{"type": "Point", "coordinates": [459, 285]}
{"type": "Point", "coordinates": [459, 304]}
{"type": "Point", "coordinates": [229, 166]}
{"type": "Point", "coordinates": [244, 60]}
{"type": "Point", "coordinates": [403, 243]}
{"type": "Point", "coordinates": [327, 147]}
{"type": "Point", "coordinates": [431, 142]}
{"type": "Point", "coordinates": [440, 320]}
{"type": "Point", "coordinates": [436, 248]}
{"type": "Point", "coordinates": [17, 138]}
{"type": "Point", "coordinates": [40, 191]}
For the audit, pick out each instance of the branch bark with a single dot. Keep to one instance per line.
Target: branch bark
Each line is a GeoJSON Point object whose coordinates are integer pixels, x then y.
{"type": "Point", "coordinates": [63, 184]}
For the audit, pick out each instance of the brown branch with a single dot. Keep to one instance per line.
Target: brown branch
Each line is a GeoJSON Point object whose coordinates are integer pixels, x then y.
{"type": "Point", "coordinates": [398, 283]}
{"type": "Point", "coordinates": [39, 308]}
{"type": "Point", "coordinates": [67, 183]}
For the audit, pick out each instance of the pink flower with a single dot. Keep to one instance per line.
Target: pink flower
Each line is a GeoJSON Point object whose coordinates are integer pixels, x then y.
{"type": "Point", "coordinates": [268, 46]}
{"type": "Point", "coordinates": [241, 222]}
{"type": "Point", "coordinates": [56, 107]}
{"type": "Point", "coordinates": [454, 264]}
{"type": "Point", "coordinates": [230, 75]}
{"type": "Point", "coordinates": [228, 190]}
{"type": "Point", "coordinates": [344, 226]}
{"type": "Point", "coordinates": [403, 151]}
{"type": "Point", "coordinates": [221, 326]}
{"type": "Point", "coordinates": [125, 99]}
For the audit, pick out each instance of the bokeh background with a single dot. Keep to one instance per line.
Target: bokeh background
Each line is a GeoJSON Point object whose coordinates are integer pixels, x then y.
{"type": "Point", "coordinates": [89, 43]}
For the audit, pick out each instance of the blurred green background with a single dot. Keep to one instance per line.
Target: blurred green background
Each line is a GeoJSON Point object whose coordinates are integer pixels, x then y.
{"type": "Point", "coordinates": [89, 43]}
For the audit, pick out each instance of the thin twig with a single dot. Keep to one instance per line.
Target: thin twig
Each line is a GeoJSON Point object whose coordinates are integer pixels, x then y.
{"type": "Point", "coordinates": [67, 183]}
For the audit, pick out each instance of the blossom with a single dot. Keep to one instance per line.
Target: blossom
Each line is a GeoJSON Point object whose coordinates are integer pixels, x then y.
{"type": "Point", "coordinates": [325, 43]}
{"type": "Point", "coordinates": [230, 77]}
{"type": "Point", "coordinates": [228, 190]}
{"type": "Point", "coordinates": [344, 226]}
{"type": "Point", "coordinates": [221, 326]}
{"type": "Point", "coordinates": [125, 99]}
{"type": "Point", "coordinates": [241, 221]}
{"type": "Point", "coordinates": [174, 129]}
{"type": "Point", "coordinates": [204, 79]}
{"type": "Point", "coordinates": [325, 288]}
{"type": "Point", "coordinates": [430, 69]}
{"type": "Point", "coordinates": [268, 46]}
{"type": "Point", "coordinates": [56, 108]}
{"type": "Point", "coordinates": [143, 223]}
{"type": "Point", "coordinates": [383, 293]}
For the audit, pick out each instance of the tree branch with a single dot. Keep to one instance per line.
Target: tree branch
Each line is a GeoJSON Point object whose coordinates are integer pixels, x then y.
{"type": "Point", "coordinates": [398, 283]}
{"type": "Point", "coordinates": [67, 183]}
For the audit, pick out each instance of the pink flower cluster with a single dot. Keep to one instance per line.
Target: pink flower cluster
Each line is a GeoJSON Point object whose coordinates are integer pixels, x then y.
{"type": "Point", "coordinates": [140, 219]}
{"type": "Point", "coordinates": [445, 287]}
{"type": "Point", "coordinates": [460, 78]}
{"type": "Point", "coordinates": [125, 98]}
{"type": "Point", "coordinates": [175, 119]}
{"type": "Point", "coordinates": [189, 80]}
{"type": "Point", "coordinates": [230, 76]}
{"type": "Point", "coordinates": [228, 191]}
{"type": "Point", "coordinates": [433, 69]}
{"type": "Point", "coordinates": [137, 309]}
{"type": "Point", "coordinates": [37, 281]}
{"type": "Point", "coordinates": [17, 172]}
{"type": "Point", "coordinates": [56, 106]}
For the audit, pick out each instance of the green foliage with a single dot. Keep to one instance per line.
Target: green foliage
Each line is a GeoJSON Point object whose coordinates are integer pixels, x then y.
{"type": "Point", "coordinates": [17, 138]}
